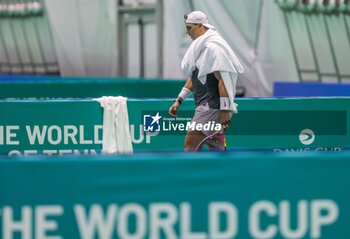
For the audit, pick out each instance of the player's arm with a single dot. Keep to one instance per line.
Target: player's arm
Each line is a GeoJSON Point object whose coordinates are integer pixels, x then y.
{"type": "Point", "coordinates": [224, 100]}
{"type": "Point", "coordinates": [185, 92]}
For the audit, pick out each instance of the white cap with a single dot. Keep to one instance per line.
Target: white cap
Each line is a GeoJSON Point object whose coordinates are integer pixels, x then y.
{"type": "Point", "coordinates": [198, 17]}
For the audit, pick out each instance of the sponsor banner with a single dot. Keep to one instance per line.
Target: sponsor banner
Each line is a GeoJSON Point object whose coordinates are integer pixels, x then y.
{"type": "Point", "coordinates": [271, 123]}
{"type": "Point", "coordinates": [75, 127]}
{"type": "Point", "coordinates": [253, 196]}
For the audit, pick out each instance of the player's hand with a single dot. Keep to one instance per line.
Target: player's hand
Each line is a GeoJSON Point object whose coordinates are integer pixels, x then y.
{"type": "Point", "coordinates": [225, 118]}
{"type": "Point", "coordinates": [174, 109]}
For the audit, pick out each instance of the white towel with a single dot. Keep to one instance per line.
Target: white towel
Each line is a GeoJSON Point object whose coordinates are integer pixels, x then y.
{"type": "Point", "coordinates": [209, 53]}
{"type": "Point", "coordinates": [116, 133]}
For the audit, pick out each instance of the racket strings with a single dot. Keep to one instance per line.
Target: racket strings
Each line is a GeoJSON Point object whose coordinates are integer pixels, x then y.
{"type": "Point", "coordinates": [220, 135]}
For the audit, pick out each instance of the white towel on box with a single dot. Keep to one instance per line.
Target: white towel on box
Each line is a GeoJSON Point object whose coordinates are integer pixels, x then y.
{"type": "Point", "coordinates": [116, 133]}
{"type": "Point", "coordinates": [209, 53]}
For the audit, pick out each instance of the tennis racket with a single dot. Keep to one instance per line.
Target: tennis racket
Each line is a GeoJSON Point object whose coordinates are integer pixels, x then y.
{"type": "Point", "coordinates": [213, 139]}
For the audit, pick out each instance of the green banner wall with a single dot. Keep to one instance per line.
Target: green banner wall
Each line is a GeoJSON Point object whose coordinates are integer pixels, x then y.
{"type": "Point", "coordinates": [67, 126]}
{"type": "Point", "coordinates": [178, 195]}
{"type": "Point", "coordinates": [86, 87]}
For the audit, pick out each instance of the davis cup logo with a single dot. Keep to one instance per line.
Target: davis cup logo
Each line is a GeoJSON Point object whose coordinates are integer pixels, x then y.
{"type": "Point", "coordinates": [307, 136]}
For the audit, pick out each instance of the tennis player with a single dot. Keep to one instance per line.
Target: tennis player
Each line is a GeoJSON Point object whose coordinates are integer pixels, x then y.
{"type": "Point", "coordinates": [212, 68]}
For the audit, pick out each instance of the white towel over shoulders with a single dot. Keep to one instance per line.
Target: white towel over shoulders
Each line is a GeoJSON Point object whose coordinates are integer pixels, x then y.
{"type": "Point", "coordinates": [209, 53]}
